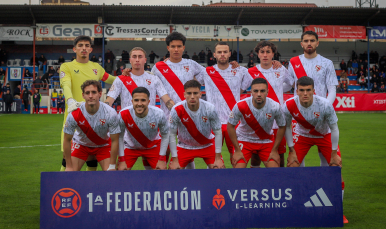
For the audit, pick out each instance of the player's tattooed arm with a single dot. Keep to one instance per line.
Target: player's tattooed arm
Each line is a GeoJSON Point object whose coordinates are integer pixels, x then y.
{"type": "Point", "coordinates": [109, 101]}
{"type": "Point", "coordinates": [169, 104]}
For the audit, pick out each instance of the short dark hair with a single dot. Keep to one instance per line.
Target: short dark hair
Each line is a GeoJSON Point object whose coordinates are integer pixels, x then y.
{"type": "Point", "coordinates": [141, 90]}
{"type": "Point", "coordinates": [91, 82]}
{"type": "Point", "coordinates": [192, 83]}
{"type": "Point", "coordinates": [310, 33]}
{"type": "Point", "coordinates": [263, 44]}
{"type": "Point", "coordinates": [220, 43]}
{"type": "Point", "coordinates": [175, 36]}
{"type": "Point", "coordinates": [259, 81]}
{"type": "Point", "coordinates": [82, 38]}
{"type": "Point", "coordinates": [305, 81]}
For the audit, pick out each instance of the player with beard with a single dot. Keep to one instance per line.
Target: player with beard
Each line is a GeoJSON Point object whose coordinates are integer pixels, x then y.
{"type": "Point", "coordinates": [254, 135]}
{"type": "Point", "coordinates": [223, 86]}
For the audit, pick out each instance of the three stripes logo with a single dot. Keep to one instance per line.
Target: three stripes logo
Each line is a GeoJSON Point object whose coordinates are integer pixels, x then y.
{"type": "Point", "coordinates": [316, 202]}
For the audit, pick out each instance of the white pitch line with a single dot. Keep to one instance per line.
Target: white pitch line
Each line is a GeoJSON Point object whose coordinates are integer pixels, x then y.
{"type": "Point", "coordinates": [27, 146]}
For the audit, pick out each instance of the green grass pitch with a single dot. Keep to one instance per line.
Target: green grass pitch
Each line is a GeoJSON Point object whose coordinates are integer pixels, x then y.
{"type": "Point", "coordinates": [362, 142]}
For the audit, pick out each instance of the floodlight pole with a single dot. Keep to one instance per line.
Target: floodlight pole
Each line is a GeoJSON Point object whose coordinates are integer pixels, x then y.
{"type": "Point", "coordinates": [103, 46]}
{"type": "Point", "coordinates": [238, 43]}
{"type": "Point", "coordinates": [368, 57]}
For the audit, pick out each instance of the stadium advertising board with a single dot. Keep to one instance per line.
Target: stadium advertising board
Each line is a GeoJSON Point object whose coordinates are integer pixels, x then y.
{"type": "Point", "coordinates": [357, 102]}
{"type": "Point", "coordinates": [245, 32]}
{"type": "Point", "coordinates": [15, 107]}
{"type": "Point", "coordinates": [136, 30]}
{"type": "Point", "coordinates": [219, 198]}
{"type": "Point", "coordinates": [338, 31]}
{"type": "Point", "coordinates": [271, 31]}
{"type": "Point", "coordinates": [378, 32]}
{"type": "Point", "coordinates": [68, 30]}
{"type": "Point", "coordinates": [16, 34]}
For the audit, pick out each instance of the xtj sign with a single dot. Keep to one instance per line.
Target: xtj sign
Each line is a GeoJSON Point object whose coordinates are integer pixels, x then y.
{"type": "Point", "coordinates": [68, 30]}
{"type": "Point", "coordinates": [228, 198]}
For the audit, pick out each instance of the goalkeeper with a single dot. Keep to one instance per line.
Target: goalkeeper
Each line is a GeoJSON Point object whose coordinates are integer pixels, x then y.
{"type": "Point", "coordinates": [73, 75]}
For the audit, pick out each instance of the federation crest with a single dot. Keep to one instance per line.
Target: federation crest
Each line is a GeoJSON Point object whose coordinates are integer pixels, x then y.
{"type": "Point", "coordinates": [66, 202]}
{"type": "Point", "coordinates": [95, 71]}
{"type": "Point", "coordinates": [186, 68]}
{"type": "Point", "coordinates": [234, 71]}
{"type": "Point", "coordinates": [277, 74]}
{"type": "Point", "coordinates": [102, 121]}
{"type": "Point", "coordinates": [316, 114]}
{"type": "Point", "coordinates": [204, 118]}
{"type": "Point", "coordinates": [152, 125]}
{"type": "Point", "coordinates": [318, 67]}
{"type": "Point", "coordinates": [148, 81]}
{"type": "Point", "coordinates": [268, 115]}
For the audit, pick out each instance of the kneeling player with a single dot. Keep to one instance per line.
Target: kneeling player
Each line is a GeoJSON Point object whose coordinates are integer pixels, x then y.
{"type": "Point", "coordinates": [195, 119]}
{"type": "Point", "coordinates": [316, 125]}
{"type": "Point", "coordinates": [92, 121]}
{"type": "Point", "coordinates": [142, 138]}
{"type": "Point", "coordinates": [254, 135]}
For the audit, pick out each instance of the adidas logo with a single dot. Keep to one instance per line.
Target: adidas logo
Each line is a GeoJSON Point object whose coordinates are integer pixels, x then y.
{"type": "Point", "coordinates": [315, 200]}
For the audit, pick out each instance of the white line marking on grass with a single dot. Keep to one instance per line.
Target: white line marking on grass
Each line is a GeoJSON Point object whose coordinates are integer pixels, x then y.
{"type": "Point", "coordinates": [27, 146]}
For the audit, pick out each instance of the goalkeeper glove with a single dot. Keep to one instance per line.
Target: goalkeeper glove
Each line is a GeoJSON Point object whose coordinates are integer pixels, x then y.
{"type": "Point", "coordinates": [72, 104]}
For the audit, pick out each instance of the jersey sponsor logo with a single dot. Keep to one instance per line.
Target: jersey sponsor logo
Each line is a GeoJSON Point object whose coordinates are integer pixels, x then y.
{"type": "Point", "coordinates": [95, 71]}
{"type": "Point", "coordinates": [128, 83]}
{"type": "Point", "coordinates": [66, 202]}
{"type": "Point", "coordinates": [185, 119]}
{"type": "Point", "coordinates": [268, 115]}
{"type": "Point", "coordinates": [318, 67]}
{"type": "Point", "coordinates": [277, 74]}
{"type": "Point", "coordinates": [204, 118]}
{"type": "Point", "coordinates": [247, 115]}
{"type": "Point", "coordinates": [76, 71]}
{"type": "Point", "coordinates": [234, 71]}
{"type": "Point", "coordinates": [186, 68]}
{"type": "Point", "coordinates": [62, 74]}
{"type": "Point", "coordinates": [218, 200]}
{"type": "Point", "coordinates": [82, 123]}
{"type": "Point", "coordinates": [152, 125]}
{"type": "Point", "coordinates": [316, 114]}
{"type": "Point", "coordinates": [165, 70]}
{"type": "Point", "coordinates": [148, 81]}
{"type": "Point", "coordinates": [231, 115]}
{"type": "Point", "coordinates": [297, 66]}
{"type": "Point", "coordinates": [102, 121]}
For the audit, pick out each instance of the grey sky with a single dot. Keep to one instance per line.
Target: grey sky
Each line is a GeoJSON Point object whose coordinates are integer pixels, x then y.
{"type": "Point", "coordinates": [381, 3]}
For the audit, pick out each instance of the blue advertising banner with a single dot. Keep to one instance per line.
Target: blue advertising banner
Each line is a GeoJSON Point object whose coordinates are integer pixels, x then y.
{"type": "Point", "coordinates": [15, 107]}
{"type": "Point", "coordinates": [219, 198]}
{"type": "Point", "coordinates": [378, 32]}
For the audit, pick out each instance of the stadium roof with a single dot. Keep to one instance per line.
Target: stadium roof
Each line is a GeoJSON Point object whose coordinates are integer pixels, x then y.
{"type": "Point", "coordinates": [24, 15]}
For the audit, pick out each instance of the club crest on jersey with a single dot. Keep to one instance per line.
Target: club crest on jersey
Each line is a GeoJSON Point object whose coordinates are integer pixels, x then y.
{"type": "Point", "coordinates": [185, 119]}
{"type": "Point", "coordinates": [128, 82]}
{"type": "Point", "coordinates": [231, 115]}
{"type": "Point", "coordinates": [165, 70]}
{"type": "Point", "coordinates": [277, 74]}
{"type": "Point", "coordinates": [95, 71]}
{"type": "Point", "coordinates": [170, 119]}
{"type": "Point", "coordinates": [186, 68]}
{"type": "Point", "coordinates": [317, 67]}
{"type": "Point", "coordinates": [316, 114]}
{"type": "Point", "coordinates": [204, 118]}
{"type": "Point", "coordinates": [152, 125]}
{"type": "Point", "coordinates": [62, 74]}
{"type": "Point", "coordinates": [82, 123]}
{"type": "Point", "coordinates": [148, 82]}
{"type": "Point", "coordinates": [234, 71]}
{"type": "Point", "coordinates": [268, 115]}
{"type": "Point", "coordinates": [102, 121]}
{"type": "Point", "coordinates": [297, 66]}
{"type": "Point", "coordinates": [247, 116]}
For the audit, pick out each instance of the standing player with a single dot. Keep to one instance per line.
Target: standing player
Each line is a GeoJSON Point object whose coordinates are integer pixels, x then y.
{"type": "Point", "coordinates": [223, 85]}
{"type": "Point", "coordinates": [175, 72]}
{"type": "Point", "coordinates": [73, 75]}
{"type": "Point", "coordinates": [254, 135]}
{"type": "Point", "coordinates": [142, 138]}
{"type": "Point", "coordinates": [317, 67]}
{"type": "Point", "coordinates": [93, 121]}
{"type": "Point", "coordinates": [195, 119]}
{"type": "Point", "coordinates": [316, 125]}
{"type": "Point", "coordinates": [278, 82]}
